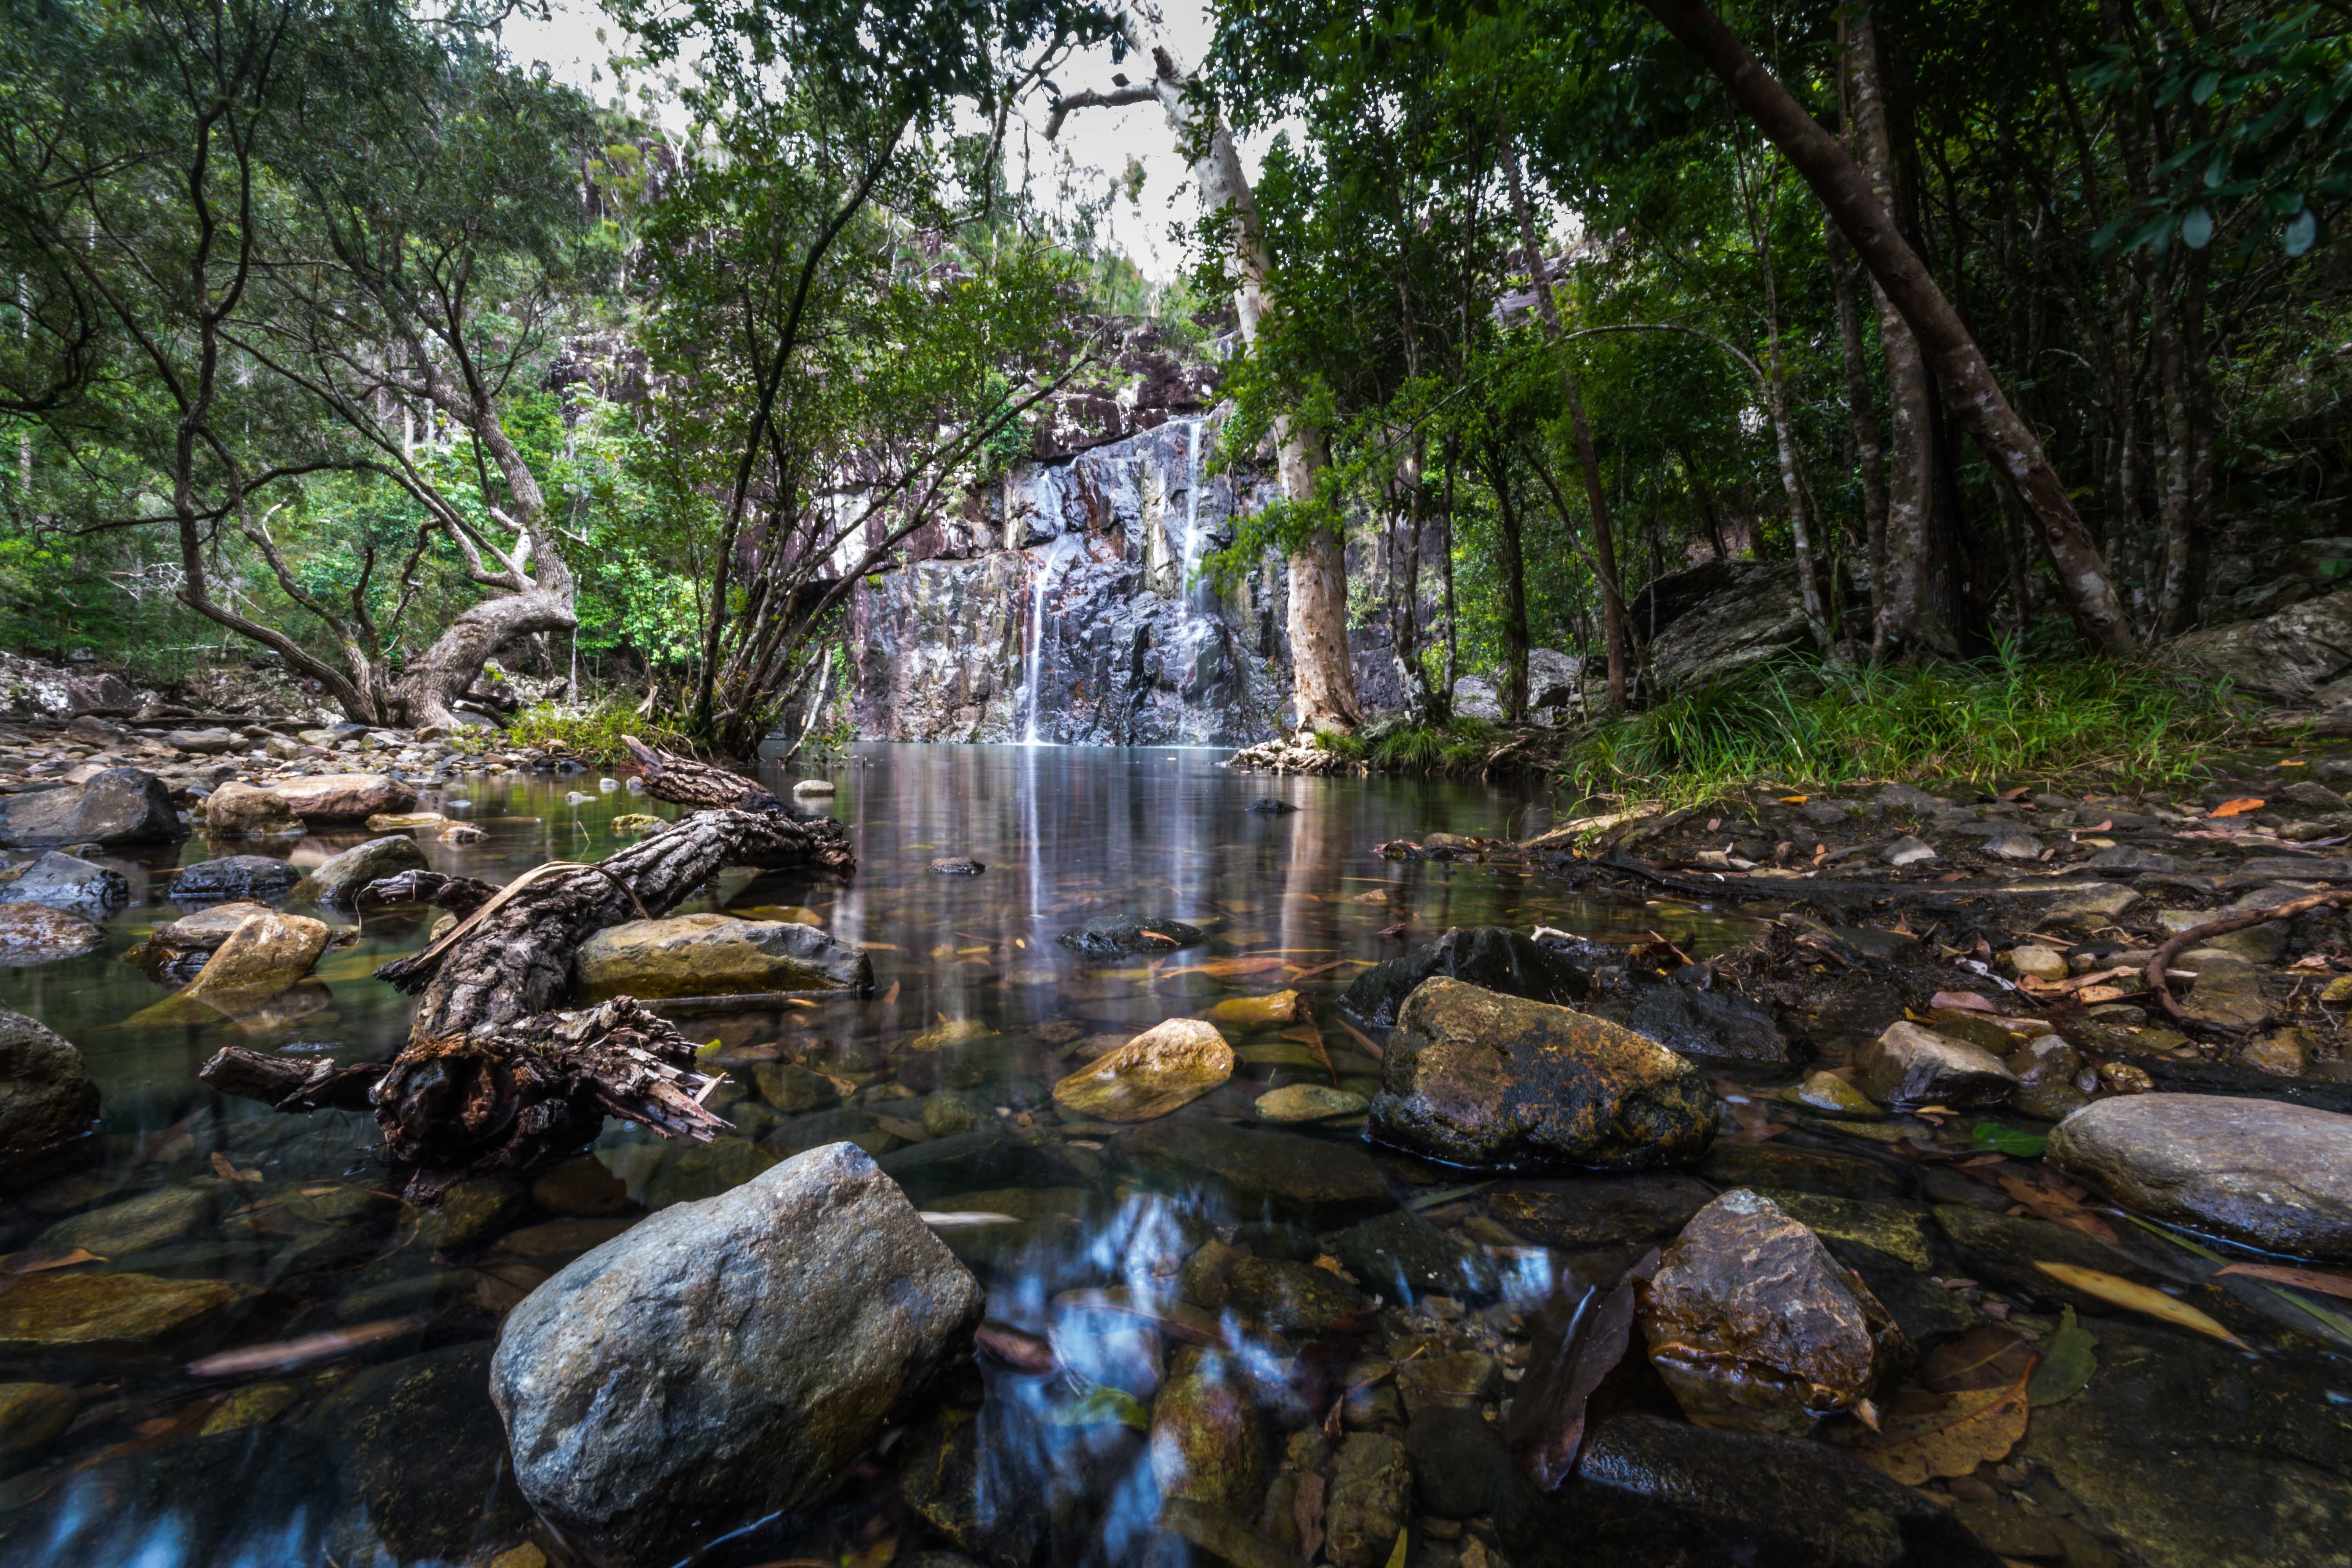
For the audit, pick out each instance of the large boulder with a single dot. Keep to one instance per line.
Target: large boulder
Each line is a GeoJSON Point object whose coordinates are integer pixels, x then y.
{"type": "Point", "coordinates": [2302, 656]}
{"type": "Point", "coordinates": [725, 1360]}
{"type": "Point", "coordinates": [46, 1096]}
{"type": "Point", "coordinates": [1165, 1068]}
{"type": "Point", "coordinates": [1755, 613]}
{"type": "Point", "coordinates": [239, 810]}
{"type": "Point", "coordinates": [344, 797]}
{"type": "Point", "coordinates": [715, 954]}
{"type": "Point", "coordinates": [232, 877]}
{"type": "Point", "coordinates": [67, 882]}
{"type": "Point", "coordinates": [1494, 957]}
{"type": "Point", "coordinates": [2261, 1172]}
{"type": "Point", "coordinates": [1478, 1079]}
{"type": "Point", "coordinates": [119, 806]}
{"type": "Point", "coordinates": [1755, 1327]}
{"type": "Point", "coordinates": [35, 933]}
{"type": "Point", "coordinates": [29, 684]}
{"type": "Point", "coordinates": [339, 878]}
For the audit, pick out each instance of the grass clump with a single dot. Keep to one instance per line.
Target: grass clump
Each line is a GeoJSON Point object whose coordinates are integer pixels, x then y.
{"type": "Point", "coordinates": [1801, 722]}
{"type": "Point", "coordinates": [591, 734]}
{"type": "Point", "coordinates": [1406, 748]}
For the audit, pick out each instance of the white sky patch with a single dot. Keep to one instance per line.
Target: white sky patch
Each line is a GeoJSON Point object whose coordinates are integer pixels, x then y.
{"type": "Point", "coordinates": [1099, 141]}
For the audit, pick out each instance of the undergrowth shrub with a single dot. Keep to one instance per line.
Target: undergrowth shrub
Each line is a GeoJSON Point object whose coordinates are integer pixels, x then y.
{"type": "Point", "coordinates": [593, 735]}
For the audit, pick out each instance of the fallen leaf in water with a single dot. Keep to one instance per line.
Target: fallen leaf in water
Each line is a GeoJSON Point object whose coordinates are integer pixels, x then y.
{"type": "Point", "coordinates": [2020, 792]}
{"type": "Point", "coordinates": [1396, 930]}
{"type": "Point", "coordinates": [1397, 1556]}
{"type": "Point", "coordinates": [228, 1173]}
{"type": "Point", "coordinates": [1794, 799]}
{"type": "Point", "coordinates": [2059, 1208]}
{"type": "Point", "coordinates": [962, 1219]}
{"type": "Point", "coordinates": [2239, 806]}
{"type": "Point", "coordinates": [1102, 1405]}
{"type": "Point", "coordinates": [1578, 1341]}
{"type": "Point", "coordinates": [1972, 1410]}
{"type": "Point", "coordinates": [2009, 1140]}
{"type": "Point", "coordinates": [2302, 1279]}
{"type": "Point", "coordinates": [1180, 1320]}
{"type": "Point", "coordinates": [1024, 1351]}
{"type": "Point", "coordinates": [286, 1355]}
{"type": "Point", "coordinates": [2120, 1292]}
{"type": "Point", "coordinates": [1231, 968]}
{"type": "Point", "coordinates": [2068, 1364]}
{"type": "Point", "coordinates": [41, 1259]}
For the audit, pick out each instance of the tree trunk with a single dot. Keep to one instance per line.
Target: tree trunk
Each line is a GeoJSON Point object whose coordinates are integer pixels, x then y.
{"type": "Point", "coordinates": [488, 1079]}
{"type": "Point", "coordinates": [1323, 674]}
{"type": "Point", "coordinates": [1975, 395]}
{"type": "Point", "coordinates": [2178, 330]}
{"type": "Point", "coordinates": [1588, 460]}
{"type": "Point", "coordinates": [1904, 608]}
{"type": "Point", "coordinates": [1512, 562]}
{"type": "Point", "coordinates": [1861, 412]}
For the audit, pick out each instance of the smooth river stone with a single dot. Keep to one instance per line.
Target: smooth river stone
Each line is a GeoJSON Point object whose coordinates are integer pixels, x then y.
{"type": "Point", "coordinates": [2261, 1172]}
{"type": "Point", "coordinates": [1756, 1328]}
{"type": "Point", "coordinates": [725, 1360]}
{"type": "Point", "coordinates": [1907, 1065]}
{"type": "Point", "coordinates": [1162, 1070]}
{"type": "Point", "coordinates": [1478, 1079]}
{"type": "Point", "coordinates": [344, 797]}
{"type": "Point", "coordinates": [52, 1311]}
{"type": "Point", "coordinates": [714, 955]}
{"type": "Point", "coordinates": [1307, 1102]}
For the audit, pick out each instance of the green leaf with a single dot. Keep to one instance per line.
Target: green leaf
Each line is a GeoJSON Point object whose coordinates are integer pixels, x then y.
{"type": "Point", "coordinates": [2302, 230]}
{"type": "Point", "coordinates": [2068, 1364]}
{"type": "Point", "coordinates": [2197, 228]}
{"type": "Point", "coordinates": [2204, 87]}
{"type": "Point", "coordinates": [1100, 1406]}
{"type": "Point", "coordinates": [2010, 1140]}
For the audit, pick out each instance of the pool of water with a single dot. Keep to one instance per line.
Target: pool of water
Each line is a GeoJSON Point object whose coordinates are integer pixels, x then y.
{"type": "Point", "coordinates": [376, 1443]}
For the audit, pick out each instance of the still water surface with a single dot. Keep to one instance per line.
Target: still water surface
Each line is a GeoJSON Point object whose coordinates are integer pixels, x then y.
{"type": "Point", "coordinates": [390, 1451]}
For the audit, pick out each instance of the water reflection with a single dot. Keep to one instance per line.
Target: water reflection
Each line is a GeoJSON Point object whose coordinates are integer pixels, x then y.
{"type": "Point", "coordinates": [249, 1228]}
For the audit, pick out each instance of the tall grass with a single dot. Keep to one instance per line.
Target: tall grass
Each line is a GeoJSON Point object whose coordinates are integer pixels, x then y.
{"type": "Point", "coordinates": [1461, 747]}
{"type": "Point", "coordinates": [2008, 719]}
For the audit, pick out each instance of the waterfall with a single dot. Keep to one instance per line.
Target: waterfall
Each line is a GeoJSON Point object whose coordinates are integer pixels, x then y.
{"type": "Point", "coordinates": [1191, 507]}
{"type": "Point", "coordinates": [1056, 553]}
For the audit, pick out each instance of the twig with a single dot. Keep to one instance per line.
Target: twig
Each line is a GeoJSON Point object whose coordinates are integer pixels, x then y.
{"type": "Point", "coordinates": [2162, 959]}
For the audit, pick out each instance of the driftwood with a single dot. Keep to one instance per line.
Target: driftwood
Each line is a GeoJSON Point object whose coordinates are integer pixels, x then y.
{"type": "Point", "coordinates": [491, 1077]}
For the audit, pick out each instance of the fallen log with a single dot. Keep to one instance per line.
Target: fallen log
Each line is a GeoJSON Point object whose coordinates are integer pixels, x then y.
{"type": "Point", "coordinates": [490, 1077]}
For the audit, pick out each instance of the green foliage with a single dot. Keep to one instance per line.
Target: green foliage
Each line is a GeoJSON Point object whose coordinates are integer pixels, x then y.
{"type": "Point", "coordinates": [1805, 723]}
{"type": "Point", "coordinates": [594, 734]}
{"type": "Point", "coordinates": [1416, 748]}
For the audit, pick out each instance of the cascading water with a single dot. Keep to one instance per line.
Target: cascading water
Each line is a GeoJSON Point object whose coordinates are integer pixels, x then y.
{"type": "Point", "coordinates": [1191, 507]}
{"type": "Point", "coordinates": [1056, 557]}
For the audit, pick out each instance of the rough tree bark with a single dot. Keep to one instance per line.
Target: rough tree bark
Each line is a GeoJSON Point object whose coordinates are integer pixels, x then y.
{"type": "Point", "coordinates": [1974, 393]}
{"type": "Point", "coordinates": [489, 1079]}
{"type": "Point", "coordinates": [1323, 673]}
{"type": "Point", "coordinates": [1587, 459]}
{"type": "Point", "coordinates": [1906, 615]}
{"type": "Point", "coordinates": [1862, 411]}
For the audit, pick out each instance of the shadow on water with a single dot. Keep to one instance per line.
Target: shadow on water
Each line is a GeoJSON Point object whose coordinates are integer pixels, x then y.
{"type": "Point", "coordinates": [1179, 1302]}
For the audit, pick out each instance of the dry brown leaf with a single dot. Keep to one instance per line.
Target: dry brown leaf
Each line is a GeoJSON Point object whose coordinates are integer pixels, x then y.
{"type": "Point", "coordinates": [2120, 1292]}
{"type": "Point", "coordinates": [41, 1259]}
{"type": "Point", "coordinates": [2239, 806]}
{"type": "Point", "coordinates": [2302, 1279]}
{"type": "Point", "coordinates": [2052, 1205]}
{"type": "Point", "coordinates": [1922, 1434]}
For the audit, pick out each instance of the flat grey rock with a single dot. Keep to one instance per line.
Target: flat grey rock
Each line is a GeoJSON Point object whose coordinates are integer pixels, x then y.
{"type": "Point", "coordinates": [2260, 1172]}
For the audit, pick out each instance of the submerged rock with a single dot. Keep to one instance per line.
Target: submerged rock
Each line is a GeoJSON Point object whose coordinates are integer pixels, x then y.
{"type": "Point", "coordinates": [35, 933]}
{"type": "Point", "coordinates": [232, 877]}
{"type": "Point", "coordinates": [1208, 1441]}
{"type": "Point", "coordinates": [1124, 936]}
{"type": "Point", "coordinates": [1712, 1026]}
{"type": "Point", "coordinates": [61, 881]}
{"type": "Point", "coordinates": [715, 954]}
{"type": "Point", "coordinates": [1307, 1102]}
{"type": "Point", "coordinates": [1493, 957]}
{"type": "Point", "coordinates": [117, 808]}
{"type": "Point", "coordinates": [417, 1443]}
{"type": "Point", "coordinates": [1261, 1171]}
{"type": "Point", "coordinates": [1907, 1065]}
{"type": "Point", "coordinates": [266, 953]}
{"type": "Point", "coordinates": [1403, 1258]}
{"type": "Point", "coordinates": [1478, 1079]}
{"type": "Point", "coordinates": [725, 1360]}
{"type": "Point", "coordinates": [1371, 1500]}
{"type": "Point", "coordinates": [154, 1220]}
{"type": "Point", "coordinates": [340, 878]}
{"type": "Point", "coordinates": [59, 1312]}
{"type": "Point", "coordinates": [239, 810]}
{"type": "Point", "coordinates": [244, 1497]}
{"type": "Point", "coordinates": [344, 797]}
{"type": "Point", "coordinates": [1165, 1068]}
{"type": "Point", "coordinates": [1290, 1297]}
{"type": "Point", "coordinates": [1755, 1327]}
{"type": "Point", "coordinates": [47, 1097]}
{"type": "Point", "coordinates": [2260, 1172]}
{"type": "Point", "coordinates": [31, 1414]}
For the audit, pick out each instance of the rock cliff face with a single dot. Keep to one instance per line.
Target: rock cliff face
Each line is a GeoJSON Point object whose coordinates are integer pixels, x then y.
{"type": "Point", "coordinates": [1060, 608]}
